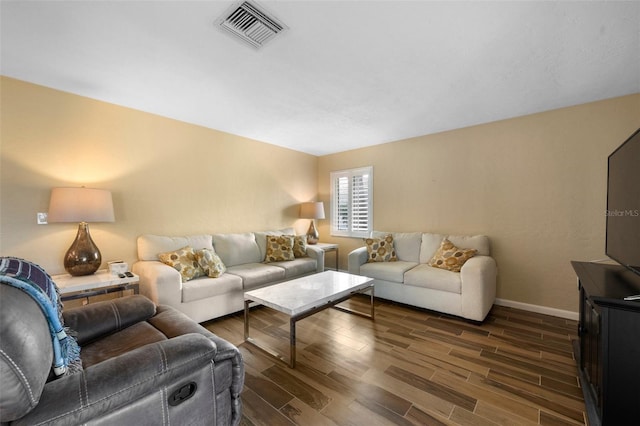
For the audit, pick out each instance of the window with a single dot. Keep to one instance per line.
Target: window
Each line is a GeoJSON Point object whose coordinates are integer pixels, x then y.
{"type": "Point", "coordinates": [352, 202]}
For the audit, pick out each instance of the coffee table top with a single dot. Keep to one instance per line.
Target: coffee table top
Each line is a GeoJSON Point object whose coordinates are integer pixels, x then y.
{"type": "Point", "coordinates": [302, 294]}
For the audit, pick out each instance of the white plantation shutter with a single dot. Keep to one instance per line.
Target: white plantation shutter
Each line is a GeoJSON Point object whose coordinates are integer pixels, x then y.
{"type": "Point", "coordinates": [352, 202]}
{"type": "Point", "coordinates": [341, 202]}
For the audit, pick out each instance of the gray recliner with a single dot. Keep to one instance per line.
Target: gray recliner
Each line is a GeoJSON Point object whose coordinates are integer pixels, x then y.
{"type": "Point", "coordinates": [142, 365]}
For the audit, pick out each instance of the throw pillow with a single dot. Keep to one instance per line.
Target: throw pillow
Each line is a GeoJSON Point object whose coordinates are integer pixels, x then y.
{"type": "Point", "coordinates": [210, 263]}
{"type": "Point", "coordinates": [381, 249]}
{"type": "Point", "coordinates": [450, 257]}
{"type": "Point", "coordinates": [300, 246]}
{"type": "Point", "coordinates": [279, 248]}
{"type": "Point", "coordinates": [184, 261]}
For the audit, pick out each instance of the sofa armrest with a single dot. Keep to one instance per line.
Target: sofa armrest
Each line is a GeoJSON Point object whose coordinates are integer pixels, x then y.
{"type": "Point", "coordinates": [357, 258]}
{"type": "Point", "coordinates": [98, 319]}
{"type": "Point", "coordinates": [159, 282]}
{"type": "Point", "coordinates": [478, 276]}
{"type": "Point", "coordinates": [133, 385]}
{"type": "Point", "coordinates": [318, 254]}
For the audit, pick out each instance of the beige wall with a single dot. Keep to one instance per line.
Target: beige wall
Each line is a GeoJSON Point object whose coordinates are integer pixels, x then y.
{"type": "Point", "coordinates": [535, 184]}
{"type": "Point", "coordinates": [167, 177]}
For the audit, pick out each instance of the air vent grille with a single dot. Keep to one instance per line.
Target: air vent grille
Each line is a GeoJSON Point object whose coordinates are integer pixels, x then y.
{"type": "Point", "coordinates": [251, 24]}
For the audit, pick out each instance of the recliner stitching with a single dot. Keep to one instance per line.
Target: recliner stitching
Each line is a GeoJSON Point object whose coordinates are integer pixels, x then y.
{"type": "Point", "coordinates": [213, 384]}
{"type": "Point", "coordinates": [21, 374]}
{"type": "Point", "coordinates": [163, 404]}
{"type": "Point", "coordinates": [80, 393]}
{"type": "Point", "coordinates": [116, 312]}
{"type": "Point", "coordinates": [163, 356]}
{"type": "Point", "coordinates": [86, 388]}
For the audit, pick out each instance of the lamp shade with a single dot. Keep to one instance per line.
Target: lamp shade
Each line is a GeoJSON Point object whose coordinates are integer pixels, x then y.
{"type": "Point", "coordinates": [80, 205]}
{"type": "Point", "coordinates": [312, 210]}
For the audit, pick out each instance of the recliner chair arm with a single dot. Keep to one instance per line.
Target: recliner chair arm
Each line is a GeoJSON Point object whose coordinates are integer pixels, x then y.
{"type": "Point", "coordinates": [95, 320]}
{"type": "Point", "coordinates": [133, 387]}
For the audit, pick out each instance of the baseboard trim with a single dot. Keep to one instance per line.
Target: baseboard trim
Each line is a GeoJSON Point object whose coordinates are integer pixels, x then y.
{"type": "Point", "coordinates": [538, 309]}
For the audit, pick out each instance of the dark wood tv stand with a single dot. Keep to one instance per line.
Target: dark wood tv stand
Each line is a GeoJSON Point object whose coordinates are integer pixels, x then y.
{"type": "Point", "coordinates": [608, 353]}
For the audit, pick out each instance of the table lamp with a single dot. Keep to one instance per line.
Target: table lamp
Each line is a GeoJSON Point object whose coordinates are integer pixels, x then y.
{"type": "Point", "coordinates": [312, 210]}
{"type": "Point", "coordinates": [81, 205]}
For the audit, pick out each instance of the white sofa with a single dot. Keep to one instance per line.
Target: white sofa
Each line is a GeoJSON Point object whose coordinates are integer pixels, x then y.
{"type": "Point", "coordinates": [469, 293]}
{"type": "Point", "coordinates": [205, 298]}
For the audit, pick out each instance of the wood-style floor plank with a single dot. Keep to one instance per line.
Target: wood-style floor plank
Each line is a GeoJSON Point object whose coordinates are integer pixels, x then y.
{"type": "Point", "coordinates": [409, 367]}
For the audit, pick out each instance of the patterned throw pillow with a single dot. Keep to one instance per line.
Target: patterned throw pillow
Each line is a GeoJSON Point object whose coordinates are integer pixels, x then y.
{"type": "Point", "coordinates": [184, 261]}
{"type": "Point", "coordinates": [381, 249]}
{"type": "Point", "coordinates": [279, 248]}
{"type": "Point", "coordinates": [300, 246]}
{"type": "Point", "coordinates": [450, 257]}
{"type": "Point", "coordinates": [210, 263]}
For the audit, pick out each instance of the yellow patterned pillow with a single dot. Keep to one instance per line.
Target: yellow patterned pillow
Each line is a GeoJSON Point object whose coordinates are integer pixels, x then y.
{"type": "Point", "coordinates": [300, 246]}
{"type": "Point", "coordinates": [381, 249]}
{"type": "Point", "coordinates": [184, 261]}
{"type": "Point", "coordinates": [279, 248]}
{"type": "Point", "coordinates": [210, 263]}
{"type": "Point", "coordinates": [450, 257]}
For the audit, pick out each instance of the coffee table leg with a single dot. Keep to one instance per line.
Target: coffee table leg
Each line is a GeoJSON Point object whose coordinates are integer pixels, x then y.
{"type": "Point", "coordinates": [246, 319]}
{"type": "Point", "coordinates": [292, 342]}
{"type": "Point", "coordinates": [373, 313]}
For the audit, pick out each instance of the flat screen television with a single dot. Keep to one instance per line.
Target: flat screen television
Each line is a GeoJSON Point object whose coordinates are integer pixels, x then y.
{"type": "Point", "coordinates": [623, 204]}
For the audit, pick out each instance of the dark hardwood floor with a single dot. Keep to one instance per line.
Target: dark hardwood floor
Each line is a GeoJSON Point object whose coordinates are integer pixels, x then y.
{"type": "Point", "coordinates": [409, 367]}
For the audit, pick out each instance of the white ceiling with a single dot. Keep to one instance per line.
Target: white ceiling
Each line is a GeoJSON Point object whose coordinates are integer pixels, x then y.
{"type": "Point", "coordinates": [346, 74]}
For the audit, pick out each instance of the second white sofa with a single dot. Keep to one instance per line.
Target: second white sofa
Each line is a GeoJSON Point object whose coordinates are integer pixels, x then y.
{"type": "Point", "coordinates": [469, 293]}
{"type": "Point", "coordinates": [205, 298]}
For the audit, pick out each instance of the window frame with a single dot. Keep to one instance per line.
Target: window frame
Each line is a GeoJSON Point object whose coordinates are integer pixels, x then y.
{"type": "Point", "coordinates": [350, 174]}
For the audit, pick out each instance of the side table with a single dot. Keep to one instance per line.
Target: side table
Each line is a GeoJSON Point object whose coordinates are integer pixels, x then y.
{"type": "Point", "coordinates": [102, 282]}
{"type": "Point", "coordinates": [327, 247]}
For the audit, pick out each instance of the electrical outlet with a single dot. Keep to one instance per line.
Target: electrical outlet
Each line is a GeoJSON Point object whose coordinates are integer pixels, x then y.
{"type": "Point", "coordinates": [41, 218]}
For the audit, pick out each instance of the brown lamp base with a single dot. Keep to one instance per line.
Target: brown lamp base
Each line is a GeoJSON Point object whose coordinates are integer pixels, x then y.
{"type": "Point", "coordinates": [83, 257]}
{"type": "Point", "coordinates": [312, 234]}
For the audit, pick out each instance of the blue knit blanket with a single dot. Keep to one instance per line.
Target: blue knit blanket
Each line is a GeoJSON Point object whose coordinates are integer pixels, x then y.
{"type": "Point", "coordinates": [34, 281]}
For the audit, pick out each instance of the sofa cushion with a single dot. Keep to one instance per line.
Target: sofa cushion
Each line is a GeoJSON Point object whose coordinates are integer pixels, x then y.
{"type": "Point", "coordinates": [300, 246]}
{"type": "Point", "coordinates": [209, 287]}
{"type": "Point", "coordinates": [424, 275]}
{"type": "Point", "coordinates": [387, 271]}
{"type": "Point", "coordinates": [149, 246]}
{"type": "Point", "coordinates": [279, 248]}
{"type": "Point", "coordinates": [210, 262]}
{"type": "Point", "coordinates": [381, 249]}
{"type": "Point", "coordinates": [236, 249]}
{"type": "Point", "coordinates": [183, 261]}
{"type": "Point", "coordinates": [256, 274]}
{"type": "Point", "coordinates": [450, 257]}
{"type": "Point", "coordinates": [478, 242]}
{"type": "Point", "coordinates": [261, 239]}
{"type": "Point", "coordinates": [429, 245]}
{"type": "Point", "coordinates": [297, 267]}
{"type": "Point", "coordinates": [407, 244]}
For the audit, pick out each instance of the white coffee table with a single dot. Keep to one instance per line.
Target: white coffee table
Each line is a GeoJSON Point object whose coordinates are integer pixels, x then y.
{"type": "Point", "coordinates": [302, 297]}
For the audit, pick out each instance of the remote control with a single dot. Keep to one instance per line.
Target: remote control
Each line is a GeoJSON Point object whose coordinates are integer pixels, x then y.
{"type": "Point", "coordinates": [636, 297]}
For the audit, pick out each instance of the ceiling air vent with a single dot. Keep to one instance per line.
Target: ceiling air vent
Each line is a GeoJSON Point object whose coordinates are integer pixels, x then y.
{"type": "Point", "coordinates": [251, 24]}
